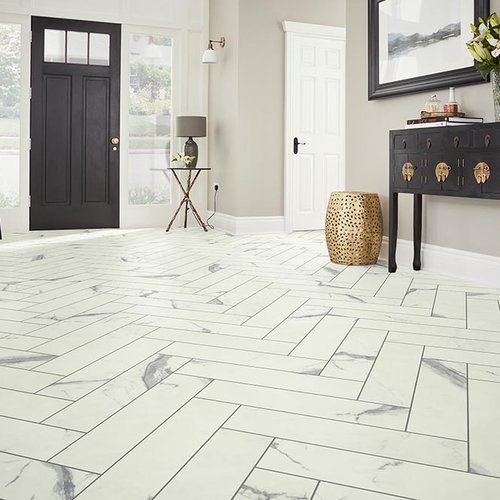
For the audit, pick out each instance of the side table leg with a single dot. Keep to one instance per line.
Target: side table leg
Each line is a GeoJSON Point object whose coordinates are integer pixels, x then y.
{"type": "Point", "coordinates": [417, 231]}
{"type": "Point", "coordinates": [186, 208]}
{"type": "Point", "coordinates": [393, 231]}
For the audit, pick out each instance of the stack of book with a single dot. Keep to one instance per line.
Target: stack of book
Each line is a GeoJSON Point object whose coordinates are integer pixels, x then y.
{"type": "Point", "coordinates": [441, 121]}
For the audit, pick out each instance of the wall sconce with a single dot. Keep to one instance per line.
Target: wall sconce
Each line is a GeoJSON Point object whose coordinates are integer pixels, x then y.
{"type": "Point", "coordinates": [209, 56]}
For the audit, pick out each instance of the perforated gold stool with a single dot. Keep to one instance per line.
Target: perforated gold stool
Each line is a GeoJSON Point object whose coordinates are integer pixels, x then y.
{"type": "Point", "coordinates": [353, 228]}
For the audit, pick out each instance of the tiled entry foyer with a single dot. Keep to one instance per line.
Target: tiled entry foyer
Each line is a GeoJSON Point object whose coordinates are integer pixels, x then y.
{"type": "Point", "coordinates": [139, 365]}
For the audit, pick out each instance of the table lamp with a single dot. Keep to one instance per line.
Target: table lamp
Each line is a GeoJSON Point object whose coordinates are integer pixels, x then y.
{"type": "Point", "coordinates": [191, 126]}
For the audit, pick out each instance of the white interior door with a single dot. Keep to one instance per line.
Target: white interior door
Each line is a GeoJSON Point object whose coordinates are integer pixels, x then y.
{"type": "Point", "coordinates": [315, 110]}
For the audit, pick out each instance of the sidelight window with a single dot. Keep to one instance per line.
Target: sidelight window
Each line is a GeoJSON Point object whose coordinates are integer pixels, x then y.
{"type": "Point", "coordinates": [149, 96]}
{"type": "Point", "coordinates": [10, 82]}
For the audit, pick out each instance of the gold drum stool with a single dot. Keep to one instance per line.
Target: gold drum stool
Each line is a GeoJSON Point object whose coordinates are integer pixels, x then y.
{"type": "Point", "coordinates": [353, 228]}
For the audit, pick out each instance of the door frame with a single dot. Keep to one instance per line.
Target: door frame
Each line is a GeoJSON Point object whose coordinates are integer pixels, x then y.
{"type": "Point", "coordinates": [292, 31]}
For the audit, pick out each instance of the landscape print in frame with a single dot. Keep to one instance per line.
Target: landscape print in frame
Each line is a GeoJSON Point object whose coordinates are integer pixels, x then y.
{"type": "Point", "coordinates": [417, 45]}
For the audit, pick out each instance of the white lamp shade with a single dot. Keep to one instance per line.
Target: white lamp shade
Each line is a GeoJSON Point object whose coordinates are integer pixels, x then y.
{"type": "Point", "coordinates": [209, 56]}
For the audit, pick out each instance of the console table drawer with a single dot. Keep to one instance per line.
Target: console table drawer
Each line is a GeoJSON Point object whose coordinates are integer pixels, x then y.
{"type": "Point", "coordinates": [486, 138]}
{"type": "Point", "coordinates": [404, 142]}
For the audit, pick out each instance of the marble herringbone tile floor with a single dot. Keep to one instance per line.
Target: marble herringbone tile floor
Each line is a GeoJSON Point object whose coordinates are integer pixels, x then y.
{"type": "Point", "coordinates": [140, 365]}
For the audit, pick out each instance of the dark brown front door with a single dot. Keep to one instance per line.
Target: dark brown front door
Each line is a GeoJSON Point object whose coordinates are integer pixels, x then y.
{"type": "Point", "coordinates": [75, 123]}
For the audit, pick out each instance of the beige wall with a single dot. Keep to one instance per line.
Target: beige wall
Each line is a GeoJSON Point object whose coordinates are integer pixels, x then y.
{"type": "Point", "coordinates": [246, 119]}
{"type": "Point", "coordinates": [465, 224]}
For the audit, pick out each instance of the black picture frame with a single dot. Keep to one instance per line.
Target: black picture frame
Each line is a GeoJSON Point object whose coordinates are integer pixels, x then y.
{"type": "Point", "coordinates": [453, 78]}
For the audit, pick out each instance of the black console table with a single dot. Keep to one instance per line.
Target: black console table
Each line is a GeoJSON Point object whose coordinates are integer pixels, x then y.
{"type": "Point", "coordinates": [461, 161]}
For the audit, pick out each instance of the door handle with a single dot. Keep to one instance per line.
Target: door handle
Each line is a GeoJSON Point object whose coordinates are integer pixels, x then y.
{"type": "Point", "coordinates": [296, 145]}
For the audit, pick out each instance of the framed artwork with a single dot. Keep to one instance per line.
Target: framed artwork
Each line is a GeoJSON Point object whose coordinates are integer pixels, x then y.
{"type": "Point", "coordinates": [416, 45]}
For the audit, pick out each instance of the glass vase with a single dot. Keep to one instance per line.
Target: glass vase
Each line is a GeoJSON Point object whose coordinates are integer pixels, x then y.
{"type": "Point", "coordinates": [495, 87]}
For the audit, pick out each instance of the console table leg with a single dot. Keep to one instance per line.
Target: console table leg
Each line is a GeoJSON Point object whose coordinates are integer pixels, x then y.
{"type": "Point", "coordinates": [393, 231]}
{"type": "Point", "coordinates": [417, 231]}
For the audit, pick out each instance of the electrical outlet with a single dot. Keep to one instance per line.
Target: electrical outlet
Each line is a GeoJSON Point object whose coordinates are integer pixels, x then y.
{"type": "Point", "coordinates": [216, 186]}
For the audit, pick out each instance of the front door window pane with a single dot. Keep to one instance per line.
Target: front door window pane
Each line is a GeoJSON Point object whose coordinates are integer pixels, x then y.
{"type": "Point", "coordinates": [99, 49]}
{"type": "Point", "coordinates": [55, 46]}
{"type": "Point", "coordinates": [150, 59]}
{"type": "Point", "coordinates": [77, 47]}
{"type": "Point", "coordinates": [10, 82]}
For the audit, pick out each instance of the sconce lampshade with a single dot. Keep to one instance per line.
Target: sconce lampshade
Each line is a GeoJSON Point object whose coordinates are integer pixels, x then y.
{"type": "Point", "coordinates": [209, 56]}
{"type": "Point", "coordinates": [191, 126]}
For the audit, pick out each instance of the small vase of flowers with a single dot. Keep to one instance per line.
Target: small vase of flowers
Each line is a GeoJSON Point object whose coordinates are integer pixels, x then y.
{"type": "Point", "coordinates": [187, 160]}
{"type": "Point", "coordinates": [485, 48]}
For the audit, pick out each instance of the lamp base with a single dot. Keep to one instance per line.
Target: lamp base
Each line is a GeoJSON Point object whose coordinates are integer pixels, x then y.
{"type": "Point", "coordinates": [191, 149]}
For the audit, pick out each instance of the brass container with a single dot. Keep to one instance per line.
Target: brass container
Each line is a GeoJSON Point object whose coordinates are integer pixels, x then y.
{"type": "Point", "coordinates": [353, 228]}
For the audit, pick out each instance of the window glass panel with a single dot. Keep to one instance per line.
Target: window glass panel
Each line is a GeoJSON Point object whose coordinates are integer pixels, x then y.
{"type": "Point", "coordinates": [150, 59]}
{"type": "Point", "coordinates": [10, 82]}
{"type": "Point", "coordinates": [54, 46]}
{"type": "Point", "coordinates": [99, 49]}
{"type": "Point", "coordinates": [77, 47]}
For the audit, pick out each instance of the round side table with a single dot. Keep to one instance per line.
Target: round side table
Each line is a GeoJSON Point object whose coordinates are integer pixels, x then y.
{"type": "Point", "coordinates": [353, 228]}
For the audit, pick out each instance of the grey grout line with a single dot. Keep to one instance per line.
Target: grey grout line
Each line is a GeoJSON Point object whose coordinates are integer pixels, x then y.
{"type": "Point", "coordinates": [373, 365]}
{"type": "Point", "coordinates": [355, 452]}
{"type": "Point", "coordinates": [414, 388]}
{"type": "Point", "coordinates": [111, 380]}
{"type": "Point", "coordinates": [137, 444]}
{"type": "Point", "coordinates": [338, 347]}
{"type": "Point", "coordinates": [195, 453]}
{"type": "Point", "coordinates": [271, 441]}
{"type": "Point", "coordinates": [315, 489]}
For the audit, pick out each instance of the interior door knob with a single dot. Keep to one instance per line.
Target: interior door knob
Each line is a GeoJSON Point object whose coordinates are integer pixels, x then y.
{"type": "Point", "coordinates": [296, 145]}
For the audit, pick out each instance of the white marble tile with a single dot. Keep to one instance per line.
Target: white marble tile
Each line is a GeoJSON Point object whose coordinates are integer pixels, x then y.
{"type": "Point", "coordinates": [248, 358]}
{"type": "Point", "coordinates": [324, 339]}
{"type": "Point", "coordinates": [488, 373]}
{"type": "Point", "coordinates": [392, 379]}
{"type": "Point", "coordinates": [273, 378]}
{"type": "Point", "coordinates": [256, 302]}
{"type": "Point", "coordinates": [242, 292]}
{"type": "Point", "coordinates": [22, 479]}
{"type": "Point", "coordinates": [483, 314]}
{"type": "Point", "coordinates": [23, 359]}
{"type": "Point", "coordinates": [221, 466]}
{"type": "Point", "coordinates": [226, 317]}
{"type": "Point", "coordinates": [264, 484]}
{"type": "Point", "coordinates": [229, 341]}
{"type": "Point", "coordinates": [423, 296]}
{"type": "Point", "coordinates": [25, 380]}
{"type": "Point", "coordinates": [7, 326]}
{"type": "Point", "coordinates": [370, 281]}
{"type": "Point", "coordinates": [377, 441]}
{"type": "Point", "coordinates": [28, 406]}
{"type": "Point", "coordinates": [78, 358]}
{"type": "Point", "coordinates": [299, 323]}
{"type": "Point", "coordinates": [449, 304]}
{"type": "Point", "coordinates": [94, 375]}
{"type": "Point", "coordinates": [484, 417]}
{"type": "Point", "coordinates": [161, 455]}
{"type": "Point", "coordinates": [33, 440]}
{"type": "Point", "coordinates": [394, 477]}
{"type": "Point", "coordinates": [276, 312]}
{"type": "Point", "coordinates": [395, 287]}
{"type": "Point", "coordinates": [439, 405]}
{"type": "Point", "coordinates": [355, 356]}
{"type": "Point", "coordinates": [446, 342]}
{"type": "Point", "coordinates": [349, 276]}
{"type": "Point", "coordinates": [101, 403]}
{"type": "Point", "coordinates": [474, 357]}
{"type": "Point", "coordinates": [307, 404]}
{"type": "Point", "coordinates": [87, 334]}
{"type": "Point", "coordinates": [21, 342]}
{"type": "Point", "coordinates": [329, 491]}
{"type": "Point", "coordinates": [122, 431]}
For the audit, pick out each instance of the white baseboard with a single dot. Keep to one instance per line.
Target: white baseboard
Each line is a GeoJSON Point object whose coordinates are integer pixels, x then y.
{"type": "Point", "coordinates": [247, 225]}
{"type": "Point", "coordinates": [468, 266]}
